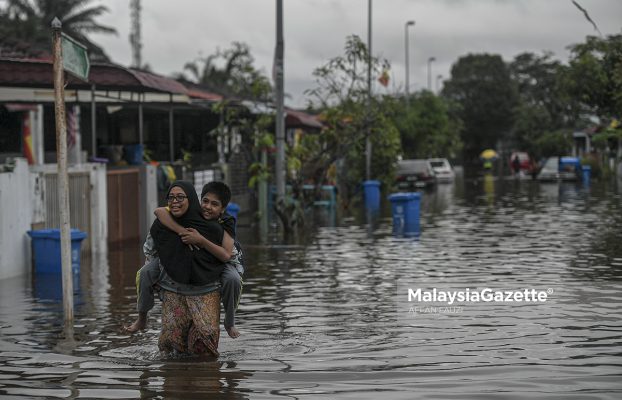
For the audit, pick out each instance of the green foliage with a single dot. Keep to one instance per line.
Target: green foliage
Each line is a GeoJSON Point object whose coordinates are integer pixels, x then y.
{"type": "Point", "coordinates": [598, 170]}
{"type": "Point", "coordinates": [304, 157]}
{"type": "Point", "coordinates": [554, 97]}
{"type": "Point", "coordinates": [264, 139]}
{"type": "Point", "coordinates": [484, 97]}
{"type": "Point", "coordinates": [541, 87]}
{"type": "Point", "coordinates": [533, 122]}
{"type": "Point", "coordinates": [595, 74]}
{"type": "Point", "coordinates": [350, 115]}
{"type": "Point", "coordinates": [29, 21]}
{"type": "Point", "coordinates": [545, 110]}
{"type": "Point", "coordinates": [608, 134]}
{"type": "Point", "coordinates": [259, 173]}
{"type": "Point", "coordinates": [426, 128]}
{"type": "Point", "coordinates": [385, 140]}
{"type": "Point", "coordinates": [557, 143]}
{"type": "Point", "coordinates": [186, 156]}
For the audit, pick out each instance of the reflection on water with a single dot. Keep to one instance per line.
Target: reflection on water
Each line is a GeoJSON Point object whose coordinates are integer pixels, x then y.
{"type": "Point", "coordinates": [319, 318]}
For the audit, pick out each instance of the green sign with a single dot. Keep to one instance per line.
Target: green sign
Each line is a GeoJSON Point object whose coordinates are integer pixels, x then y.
{"type": "Point", "coordinates": [75, 58]}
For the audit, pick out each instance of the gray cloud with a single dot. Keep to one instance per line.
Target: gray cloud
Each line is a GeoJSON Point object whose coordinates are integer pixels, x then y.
{"type": "Point", "coordinates": [175, 32]}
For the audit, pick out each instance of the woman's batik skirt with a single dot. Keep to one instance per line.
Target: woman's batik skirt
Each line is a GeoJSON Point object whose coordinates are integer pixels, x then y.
{"type": "Point", "coordinates": [190, 324]}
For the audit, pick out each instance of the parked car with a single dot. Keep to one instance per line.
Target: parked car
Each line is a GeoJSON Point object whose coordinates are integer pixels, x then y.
{"type": "Point", "coordinates": [525, 165]}
{"type": "Point", "coordinates": [566, 168]}
{"type": "Point", "coordinates": [442, 169]}
{"type": "Point", "coordinates": [414, 173]}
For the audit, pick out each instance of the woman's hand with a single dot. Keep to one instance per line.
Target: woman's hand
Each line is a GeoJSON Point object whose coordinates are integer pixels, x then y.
{"type": "Point", "coordinates": [191, 237]}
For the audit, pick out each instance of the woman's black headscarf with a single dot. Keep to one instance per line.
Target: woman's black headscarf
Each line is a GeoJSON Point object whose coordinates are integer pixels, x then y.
{"type": "Point", "coordinates": [194, 267]}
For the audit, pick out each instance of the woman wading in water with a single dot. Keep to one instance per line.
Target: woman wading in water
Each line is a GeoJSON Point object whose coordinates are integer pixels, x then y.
{"type": "Point", "coordinates": [189, 278]}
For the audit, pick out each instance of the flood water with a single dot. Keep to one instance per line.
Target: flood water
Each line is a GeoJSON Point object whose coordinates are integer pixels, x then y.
{"type": "Point", "coordinates": [320, 317]}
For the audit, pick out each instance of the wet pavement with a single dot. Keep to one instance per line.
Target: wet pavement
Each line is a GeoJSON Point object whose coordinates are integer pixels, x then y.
{"type": "Point", "coordinates": [320, 318]}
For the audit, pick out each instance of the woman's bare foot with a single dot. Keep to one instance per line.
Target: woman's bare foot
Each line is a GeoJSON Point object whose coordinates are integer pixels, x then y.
{"type": "Point", "coordinates": [138, 325]}
{"type": "Point", "coordinates": [233, 332]}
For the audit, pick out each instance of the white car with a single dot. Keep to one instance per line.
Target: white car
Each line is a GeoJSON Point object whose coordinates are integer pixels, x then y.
{"type": "Point", "coordinates": [442, 169]}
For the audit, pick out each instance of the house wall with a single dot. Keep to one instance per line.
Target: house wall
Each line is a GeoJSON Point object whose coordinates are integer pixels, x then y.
{"type": "Point", "coordinates": [23, 199]}
{"type": "Point", "coordinates": [15, 218]}
{"type": "Point", "coordinates": [99, 212]}
{"type": "Point", "coordinates": [148, 197]}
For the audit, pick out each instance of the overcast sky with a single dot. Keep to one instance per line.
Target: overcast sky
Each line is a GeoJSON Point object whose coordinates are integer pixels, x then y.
{"type": "Point", "coordinates": [178, 31]}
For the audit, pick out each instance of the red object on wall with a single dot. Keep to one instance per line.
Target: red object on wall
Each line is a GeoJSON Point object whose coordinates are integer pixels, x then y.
{"type": "Point", "coordinates": [27, 138]}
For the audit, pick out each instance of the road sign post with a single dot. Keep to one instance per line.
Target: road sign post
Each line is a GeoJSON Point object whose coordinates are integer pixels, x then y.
{"type": "Point", "coordinates": [75, 58]}
{"type": "Point", "coordinates": [71, 56]}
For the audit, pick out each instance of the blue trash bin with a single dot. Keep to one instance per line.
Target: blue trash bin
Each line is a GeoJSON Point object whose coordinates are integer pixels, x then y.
{"type": "Point", "coordinates": [134, 154]}
{"type": "Point", "coordinates": [49, 287]}
{"type": "Point", "coordinates": [405, 210]}
{"type": "Point", "coordinates": [47, 253]}
{"type": "Point", "coordinates": [587, 174]}
{"type": "Point", "coordinates": [371, 192]}
{"type": "Point", "coordinates": [233, 209]}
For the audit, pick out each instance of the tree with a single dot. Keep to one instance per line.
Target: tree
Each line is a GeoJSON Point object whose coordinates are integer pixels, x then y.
{"type": "Point", "coordinates": [539, 80]}
{"type": "Point", "coordinates": [545, 107]}
{"type": "Point", "coordinates": [341, 97]}
{"type": "Point", "coordinates": [555, 143]}
{"type": "Point", "coordinates": [425, 126]}
{"type": "Point", "coordinates": [29, 20]}
{"type": "Point", "coordinates": [594, 79]}
{"type": "Point", "coordinates": [595, 75]}
{"type": "Point", "coordinates": [484, 97]}
{"type": "Point", "coordinates": [231, 73]}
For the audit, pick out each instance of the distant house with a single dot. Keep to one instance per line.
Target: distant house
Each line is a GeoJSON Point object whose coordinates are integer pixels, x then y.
{"type": "Point", "coordinates": [582, 142]}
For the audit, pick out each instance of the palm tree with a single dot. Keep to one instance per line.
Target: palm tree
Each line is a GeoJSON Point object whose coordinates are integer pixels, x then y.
{"type": "Point", "coordinates": [236, 78]}
{"type": "Point", "coordinates": [29, 20]}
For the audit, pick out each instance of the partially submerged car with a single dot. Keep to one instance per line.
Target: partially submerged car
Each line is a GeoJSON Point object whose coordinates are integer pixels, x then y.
{"type": "Point", "coordinates": [564, 168]}
{"type": "Point", "coordinates": [414, 173]}
{"type": "Point", "coordinates": [442, 169]}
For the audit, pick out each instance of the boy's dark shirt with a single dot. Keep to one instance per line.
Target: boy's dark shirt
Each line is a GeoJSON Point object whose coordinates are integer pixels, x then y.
{"type": "Point", "coordinates": [228, 224]}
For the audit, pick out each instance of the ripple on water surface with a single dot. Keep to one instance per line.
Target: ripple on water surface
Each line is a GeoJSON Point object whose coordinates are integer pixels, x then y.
{"type": "Point", "coordinates": [320, 319]}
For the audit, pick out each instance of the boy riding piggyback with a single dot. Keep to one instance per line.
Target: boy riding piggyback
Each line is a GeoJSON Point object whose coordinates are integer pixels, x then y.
{"type": "Point", "coordinates": [214, 199]}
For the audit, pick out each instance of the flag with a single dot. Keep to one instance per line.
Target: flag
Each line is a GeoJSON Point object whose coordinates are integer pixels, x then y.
{"type": "Point", "coordinates": [72, 126]}
{"type": "Point", "coordinates": [27, 136]}
{"type": "Point", "coordinates": [384, 77]}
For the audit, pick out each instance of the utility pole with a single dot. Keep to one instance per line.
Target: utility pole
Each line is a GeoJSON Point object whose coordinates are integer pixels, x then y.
{"type": "Point", "coordinates": [63, 178]}
{"type": "Point", "coordinates": [280, 120]}
{"type": "Point", "coordinates": [135, 39]}
{"type": "Point", "coordinates": [368, 146]}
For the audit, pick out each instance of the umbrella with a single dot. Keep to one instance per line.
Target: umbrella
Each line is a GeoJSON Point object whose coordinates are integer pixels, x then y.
{"type": "Point", "coordinates": [488, 154]}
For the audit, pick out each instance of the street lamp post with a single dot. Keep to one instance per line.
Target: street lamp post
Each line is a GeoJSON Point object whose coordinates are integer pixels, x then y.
{"type": "Point", "coordinates": [438, 78]}
{"type": "Point", "coordinates": [409, 23]}
{"type": "Point", "coordinates": [430, 72]}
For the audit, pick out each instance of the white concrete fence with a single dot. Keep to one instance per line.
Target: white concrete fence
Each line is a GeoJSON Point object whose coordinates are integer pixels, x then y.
{"type": "Point", "coordinates": [27, 198]}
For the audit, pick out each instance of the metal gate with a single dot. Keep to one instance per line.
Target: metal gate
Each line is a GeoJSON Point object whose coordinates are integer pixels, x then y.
{"type": "Point", "coordinates": [79, 204]}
